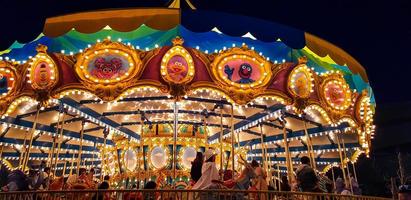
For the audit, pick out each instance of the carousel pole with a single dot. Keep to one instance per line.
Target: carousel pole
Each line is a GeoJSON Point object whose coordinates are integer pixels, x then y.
{"type": "Point", "coordinates": [332, 173]}
{"type": "Point", "coordinates": [232, 138]}
{"type": "Point", "coordinates": [103, 151]}
{"type": "Point", "coordinates": [1, 152]}
{"type": "Point", "coordinates": [279, 178]}
{"type": "Point", "coordinates": [22, 155]}
{"type": "Point", "coordinates": [309, 146]}
{"type": "Point", "coordinates": [221, 139]}
{"type": "Point", "coordinates": [51, 154]}
{"type": "Point", "coordinates": [205, 132]}
{"type": "Point", "coordinates": [263, 149]}
{"type": "Point", "coordinates": [175, 143]}
{"type": "Point", "coordinates": [142, 154]}
{"type": "Point", "coordinates": [64, 168]}
{"type": "Point", "coordinates": [72, 163]}
{"type": "Point", "coordinates": [33, 129]}
{"type": "Point", "coordinates": [81, 146]}
{"type": "Point", "coordinates": [287, 156]}
{"type": "Point", "coordinates": [92, 159]}
{"type": "Point", "coordinates": [348, 167]}
{"type": "Point", "coordinates": [354, 171]}
{"type": "Point", "coordinates": [60, 136]}
{"type": "Point", "coordinates": [341, 157]}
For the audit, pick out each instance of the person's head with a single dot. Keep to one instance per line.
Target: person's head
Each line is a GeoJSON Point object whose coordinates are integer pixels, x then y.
{"type": "Point", "coordinates": [254, 164]}
{"type": "Point", "coordinates": [82, 171]}
{"type": "Point", "coordinates": [92, 171]}
{"type": "Point", "coordinates": [47, 169]}
{"type": "Point", "coordinates": [199, 157]}
{"type": "Point", "coordinates": [134, 186]}
{"type": "Point", "coordinates": [150, 185]}
{"type": "Point", "coordinates": [305, 160]}
{"type": "Point", "coordinates": [209, 155]}
{"type": "Point", "coordinates": [106, 177]}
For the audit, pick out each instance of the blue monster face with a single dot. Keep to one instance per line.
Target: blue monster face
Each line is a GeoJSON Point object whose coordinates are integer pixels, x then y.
{"type": "Point", "coordinates": [245, 71]}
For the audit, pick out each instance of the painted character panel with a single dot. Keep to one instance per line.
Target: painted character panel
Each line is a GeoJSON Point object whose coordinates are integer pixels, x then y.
{"type": "Point", "coordinates": [302, 84]}
{"type": "Point", "coordinates": [43, 74]}
{"type": "Point", "coordinates": [108, 66]}
{"type": "Point", "coordinates": [242, 71]}
{"type": "Point", "coordinates": [337, 94]}
{"type": "Point", "coordinates": [177, 68]}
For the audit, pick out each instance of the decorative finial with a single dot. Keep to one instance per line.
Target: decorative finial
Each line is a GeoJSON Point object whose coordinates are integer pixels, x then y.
{"type": "Point", "coordinates": [41, 48]}
{"type": "Point", "coordinates": [177, 3]}
{"type": "Point", "coordinates": [302, 60]}
{"type": "Point", "coordinates": [178, 41]}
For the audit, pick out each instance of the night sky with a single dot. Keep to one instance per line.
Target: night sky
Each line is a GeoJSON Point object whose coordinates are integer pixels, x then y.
{"type": "Point", "coordinates": [376, 33]}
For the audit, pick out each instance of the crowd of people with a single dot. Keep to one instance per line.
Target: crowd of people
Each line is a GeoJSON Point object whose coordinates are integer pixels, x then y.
{"type": "Point", "coordinates": [204, 175]}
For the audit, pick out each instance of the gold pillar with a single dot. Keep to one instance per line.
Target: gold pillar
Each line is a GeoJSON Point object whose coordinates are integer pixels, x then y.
{"type": "Point", "coordinates": [72, 164]}
{"type": "Point", "coordinates": [221, 139]}
{"type": "Point", "coordinates": [232, 138]}
{"type": "Point", "coordinates": [64, 168]}
{"type": "Point", "coordinates": [175, 144]}
{"type": "Point", "coordinates": [263, 149]}
{"type": "Point", "coordinates": [341, 156]}
{"type": "Point", "coordinates": [309, 146]}
{"type": "Point", "coordinates": [53, 147]}
{"type": "Point", "coordinates": [289, 162]}
{"type": "Point", "coordinates": [1, 152]}
{"type": "Point", "coordinates": [80, 147]}
{"type": "Point", "coordinates": [348, 167]}
{"type": "Point", "coordinates": [59, 138]}
{"type": "Point", "coordinates": [279, 177]}
{"type": "Point", "coordinates": [103, 152]}
{"type": "Point", "coordinates": [33, 129]}
{"type": "Point", "coordinates": [354, 171]}
{"type": "Point", "coordinates": [332, 172]}
{"type": "Point", "coordinates": [205, 132]}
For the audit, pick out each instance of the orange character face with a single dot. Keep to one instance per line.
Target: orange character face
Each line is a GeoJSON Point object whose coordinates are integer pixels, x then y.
{"type": "Point", "coordinates": [177, 68]}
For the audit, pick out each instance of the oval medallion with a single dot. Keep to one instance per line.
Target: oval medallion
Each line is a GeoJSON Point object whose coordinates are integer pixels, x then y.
{"type": "Point", "coordinates": [177, 65]}
{"type": "Point", "coordinates": [158, 157]}
{"type": "Point", "coordinates": [189, 154]}
{"type": "Point", "coordinates": [43, 72]}
{"type": "Point", "coordinates": [300, 82]}
{"type": "Point", "coordinates": [130, 159]}
{"type": "Point", "coordinates": [108, 62]}
{"type": "Point", "coordinates": [337, 94]}
{"type": "Point", "coordinates": [241, 69]}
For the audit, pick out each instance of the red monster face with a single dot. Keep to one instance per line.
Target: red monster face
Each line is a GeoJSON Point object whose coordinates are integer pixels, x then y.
{"type": "Point", "coordinates": [245, 70]}
{"type": "Point", "coordinates": [107, 68]}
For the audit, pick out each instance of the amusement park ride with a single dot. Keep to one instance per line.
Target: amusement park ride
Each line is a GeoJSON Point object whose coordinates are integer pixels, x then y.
{"type": "Point", "coordinates": [136, 97]}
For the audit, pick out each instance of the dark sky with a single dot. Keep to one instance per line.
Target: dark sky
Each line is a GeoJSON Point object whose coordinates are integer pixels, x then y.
{"type": "Point", "coordinates": [376, 33]}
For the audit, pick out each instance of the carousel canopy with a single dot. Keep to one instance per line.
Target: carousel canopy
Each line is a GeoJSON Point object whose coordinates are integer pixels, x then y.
{"type": "Point", "coordinates": [105, 74]}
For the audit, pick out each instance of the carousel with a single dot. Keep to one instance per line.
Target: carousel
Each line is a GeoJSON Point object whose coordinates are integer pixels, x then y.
{"type": "Point", "coordinates": [136, 97]}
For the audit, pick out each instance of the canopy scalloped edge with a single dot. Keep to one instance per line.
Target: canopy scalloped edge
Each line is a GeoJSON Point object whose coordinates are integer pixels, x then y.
{"type": "Point", "coordinates": [164, 19]}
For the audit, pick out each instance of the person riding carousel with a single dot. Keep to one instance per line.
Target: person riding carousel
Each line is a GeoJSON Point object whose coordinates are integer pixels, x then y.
{"type": "Point", "coordinates": [209, 172]}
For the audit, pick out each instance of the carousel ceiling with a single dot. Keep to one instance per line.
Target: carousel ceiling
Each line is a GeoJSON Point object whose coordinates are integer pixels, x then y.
{"type": "Point", "coordinates": [112, 83]}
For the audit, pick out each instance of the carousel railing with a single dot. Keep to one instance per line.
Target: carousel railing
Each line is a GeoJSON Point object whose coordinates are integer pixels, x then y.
{"type": "Point", "coordinates": [175, 195]}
